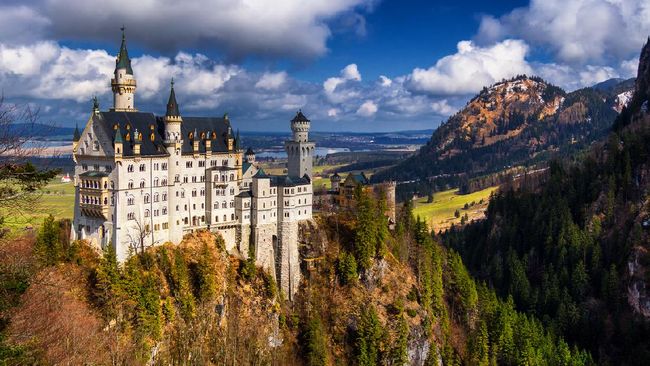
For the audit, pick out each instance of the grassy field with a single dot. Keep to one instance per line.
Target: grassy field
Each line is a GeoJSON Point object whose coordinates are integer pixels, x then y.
{"type": "Point", "coordinates": [56, 199]}
{"type": "Point", "coordinates": [439, 214]}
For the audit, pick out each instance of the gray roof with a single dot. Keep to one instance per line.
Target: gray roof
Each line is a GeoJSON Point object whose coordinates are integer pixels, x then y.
{"type": "Point", "coordinates": [148, 124]}
{"type": "Point", "coordinates": [299, 117]}
{"type": "Point", "coordinates": [287, 181]}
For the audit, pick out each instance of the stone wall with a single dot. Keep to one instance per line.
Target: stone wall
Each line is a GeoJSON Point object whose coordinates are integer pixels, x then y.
{"type": "Point", "coordinates": [288, 259]}
{"type": "Point", "coordinates": [265, 236]}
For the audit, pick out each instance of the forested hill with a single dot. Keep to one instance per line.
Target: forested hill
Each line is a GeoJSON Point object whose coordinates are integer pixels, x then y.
{"type": "Point", "coordinates": [576, 253]}
{"type": "Point", "coordinates": [512, 122]}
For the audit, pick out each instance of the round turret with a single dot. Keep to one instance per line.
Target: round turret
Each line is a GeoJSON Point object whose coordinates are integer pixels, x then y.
{"type": "Point", "coordinates": [300, 127]}
{"type": "Point", "coordinates": [249, 156]}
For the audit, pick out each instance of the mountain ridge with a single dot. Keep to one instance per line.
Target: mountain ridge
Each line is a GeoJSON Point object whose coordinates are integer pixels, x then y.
{"type": "Point", "coordinates": [517, 121]}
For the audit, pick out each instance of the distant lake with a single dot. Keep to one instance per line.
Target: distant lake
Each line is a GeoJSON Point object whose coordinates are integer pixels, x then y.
{"type": "Point", "coordinates": [320, 151]}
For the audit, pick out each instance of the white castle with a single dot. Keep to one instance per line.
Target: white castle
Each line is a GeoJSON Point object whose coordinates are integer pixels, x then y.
{"type": "Point", "coordinates": [143, 180]}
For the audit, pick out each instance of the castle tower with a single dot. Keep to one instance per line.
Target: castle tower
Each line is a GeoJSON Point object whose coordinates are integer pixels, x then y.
{"type": "Point", "coordinates": [173, 142]}
{"type": "Point", "coordinates": [123, 82]}
{"type": "Point", "coordinates": [249, 157]}
{"type": "Point", "coordinates": [300, 151]}
{"type": "Point", "coordinates": [335, 180]}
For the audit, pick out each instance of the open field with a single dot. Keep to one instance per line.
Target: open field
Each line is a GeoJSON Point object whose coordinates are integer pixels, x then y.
{"type": "Point", "coordinates": [439, 214]}
{"type": "Point", "coordinates": [56, 199]}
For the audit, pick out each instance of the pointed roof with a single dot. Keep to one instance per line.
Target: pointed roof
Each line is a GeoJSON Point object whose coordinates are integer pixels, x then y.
{"type": "Point", "coordinates": [249, 151]}
{"type": "Point", "coordinates": [260, 174]}
{"type": "Point", "coordinates": [123, 61]}
{"type": "Point", "coordinates": [300, 117]}
{"type": "Point", "coordinates": [76, 136]}
{"type": "Point", "coordinates": [172, 105]}
{"type": "Point", "coordinates": [118, 136]}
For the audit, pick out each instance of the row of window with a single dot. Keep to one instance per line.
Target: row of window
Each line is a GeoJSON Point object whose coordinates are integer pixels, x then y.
{"type": "Point", "coordinates": [107, 168]}
{"type": "Point", "coordinates": [143, 167]}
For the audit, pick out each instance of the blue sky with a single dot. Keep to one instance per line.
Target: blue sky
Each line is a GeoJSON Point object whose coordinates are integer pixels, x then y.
{"type": "Point", "coordinates": [351, 65]}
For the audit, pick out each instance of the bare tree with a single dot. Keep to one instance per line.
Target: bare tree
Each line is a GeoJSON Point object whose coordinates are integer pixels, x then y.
{"type": "Point", "coordinates": [19, 179]}
{"type": "Point", "coordinates": [139, 237]}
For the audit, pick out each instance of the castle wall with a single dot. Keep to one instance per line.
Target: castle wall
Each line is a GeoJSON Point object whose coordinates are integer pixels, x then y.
{"type": "Point", "coordinates": [288, 258]}
{"type": "Point", "coordinates": [266, 242]}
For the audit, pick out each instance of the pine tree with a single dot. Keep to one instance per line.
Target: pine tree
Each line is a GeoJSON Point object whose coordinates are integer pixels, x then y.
{"type": "Point", "coordinates": [315, 343]}
{"type": "Point", "coordinates": [369, 337]}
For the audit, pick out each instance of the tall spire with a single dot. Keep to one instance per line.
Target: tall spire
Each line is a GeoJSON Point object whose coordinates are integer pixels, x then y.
{"type": "Point", "coordinates": [172, 105]}
{"type": "Point", "coordinates": [76, 136]}
{"type": "Point", "coordinates": [123, 61]}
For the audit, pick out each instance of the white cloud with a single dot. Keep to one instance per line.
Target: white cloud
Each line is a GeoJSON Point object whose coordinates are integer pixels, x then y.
{"type": "Point", "coordinates": [442, 107]}
{"type": "Point", "coordinates": [290, 28]}
{"type": "Point", "coordinates": [271, 80]}
{"type": "Point", "coordinates": [471, 68]}
{"type": "Point", "coordinates": [577, 31]}
{"type": "Point", "coordinates": [348, 73]}
{"type": "Point", "coordinates": [333, 112]}
{"type": "Point", "coordinates": [384, 80]}
{"type": "Point", "coordinates": [367, 109]}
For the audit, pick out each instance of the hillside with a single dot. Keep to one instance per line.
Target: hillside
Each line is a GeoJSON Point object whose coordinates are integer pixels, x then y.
{"type": "Point", "coordinates": [513, 122]}
{"type": "Point", "coordinates": [575, 252]}
{"type": "Point", "coordinates": [369, 297]}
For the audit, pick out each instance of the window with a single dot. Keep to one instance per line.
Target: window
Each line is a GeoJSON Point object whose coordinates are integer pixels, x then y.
{"type": "Point", "coordinates": [165, 226]}
{"type": "Point", "coordinates": [202, 192]}
{"type": "Point", "coordinates": [142, 183]}
{"type": "Point", "coordinates": [130, 201]}
{"type": "Point", "coordinates": [130, 168]}
{"type": "Point", "coordinates": [156, 197]}
{"type": "Point", "coordinates": [164, 197]}
{"type": "Point", "coordinates": [232, 191]}
{"type": "Point", "coordinates": [96, 167]}
{"type": "Point", "coordinates": [155, 166]}
{"type": "Point", "coordinates": [163, 182]}
{"type": "Point", "coordinates": [130, 216]}
{"type": "Point", "coordinates": [163, 166]}
{"type": "Point", "coordinates": [156, 213]}
{"type": "Point", "coordinates": [224, 162]}
{"type": "Point", "coordinates": [194, 193]}
{"type": "Point", "coordinates": [108, 168]}
{"type": "Point", "coordinates": [143, 167]}
{"type": "Point", "coordinates": [164, 210]}
{"type": "Point", "coordinates": [188, 164]}
{"type": "Point", "coordinates": [185, 179]}
{"type": "Point", "coordinates": [130, 184]}
{"type": "Point", "coordinates": [194, 179]}
{"type": "Point", "coordinates": [96, 145]}
{"type": "Point", "coordinates": [201, 163]}
{"type": "Point", "coordinates": [232, 216]}
{"type": "Point", "coordinates": [232, 177]}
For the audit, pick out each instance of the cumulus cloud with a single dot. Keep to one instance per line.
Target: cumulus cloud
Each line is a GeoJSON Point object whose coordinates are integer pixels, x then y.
{"type": "Point", "coordinates": [578, 31]}
{"type": "Point", "coordinates": [367, 109]}
{"type": "Point", "coordinates": [384, 80]}
{"type": "Point", "coordinates": [472, 67]}
{"type": "Point", "coordinates": [48, 71]}
{"type": "Point", "coordinates": [271, 80]}
{"type": "Point", "coordinates": [291, 28]}
{"type": "Point", "coordinates": [330, 86]}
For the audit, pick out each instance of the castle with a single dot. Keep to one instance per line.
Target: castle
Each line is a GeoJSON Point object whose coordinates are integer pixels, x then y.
{"type": "Point", "coordinates": [143, 180]}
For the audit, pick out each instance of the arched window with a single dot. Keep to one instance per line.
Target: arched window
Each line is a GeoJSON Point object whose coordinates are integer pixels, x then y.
{"type": "Point", "coordinates": [146, 213]}
{"type": "Point", "coordinates": [163, 182]}
{"type": "Point", "coordinates": [164, 197]}
{"type": "Point", "coordinates": [156, 182]}
{"type": "Point", "coordinates": [232, 177]}
{"type": "Point", "coordinates": [146, 198]}
{"type": "Point", "coordinates": [130, 184]}
{"type": "Point", "coordinates": [130, 168]}
{"type": "Point", "coordinates": [130, 201]}
{"type": "Point", "coordinates": [142, 183]}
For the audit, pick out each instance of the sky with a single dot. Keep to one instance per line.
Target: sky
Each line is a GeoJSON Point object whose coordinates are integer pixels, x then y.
{"type": "Point", "coordinates": [350, 65]}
